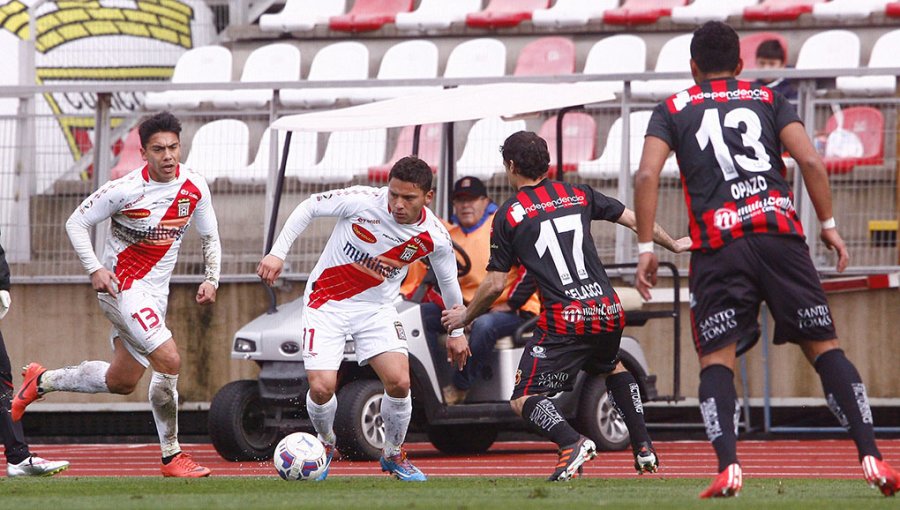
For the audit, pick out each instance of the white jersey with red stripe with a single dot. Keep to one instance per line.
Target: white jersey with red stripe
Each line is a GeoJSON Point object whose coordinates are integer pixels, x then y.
{"type": "Point", "coordinates": [366, 257]}
{"type": "Point", "coordinates": [148, 221]}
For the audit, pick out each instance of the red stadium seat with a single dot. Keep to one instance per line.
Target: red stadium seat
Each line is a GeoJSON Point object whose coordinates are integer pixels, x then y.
{"type": "Point", "coordinates": [429, 150]}
{"type": "Point", "coordinates": [505, 13]}
{"type": "Point", "coordinates": [866, 124]}
{"type": "Point", "coordinates": [641, 12]}
{"type": "Point", "coordinates": [129, 156]}
{"type": "Point", "coordinates": [369, 15]}
{"type": "Point", "coordinates": [893, 9]}
{"type": "Point", "coordinates": [751, 42]}
{"type": "Point", "coordinates": [579, 140]}
{"type": "Point", "coordinates": [779, 10]}
{"type": "Point", "coordinates": [546, 56]}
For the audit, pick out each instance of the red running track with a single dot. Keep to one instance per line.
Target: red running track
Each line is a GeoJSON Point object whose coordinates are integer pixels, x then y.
{"type": "Point", "coordinates": [679, 459]}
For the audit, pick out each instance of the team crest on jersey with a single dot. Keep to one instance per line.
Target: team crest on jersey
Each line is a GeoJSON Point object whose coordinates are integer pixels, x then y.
{"type": "Point", "coordinates": [401, 333]}
{"type": "Point", "coordinates": [136, 214]}
{"type": "Point", "coordinates": [363, 234]}
{"type": "Point", "coordinates": [518, 376]}
{"type": "Point", "coordinates": [184, 207]}
{"type": "Point", "coordinates": [409, 252]}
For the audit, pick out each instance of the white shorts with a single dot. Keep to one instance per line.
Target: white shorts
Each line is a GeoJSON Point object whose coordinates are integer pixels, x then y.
{"type": "Point", "coordinates": [139, 319]}
{"type": "Point", "coordinates": [325, 333]}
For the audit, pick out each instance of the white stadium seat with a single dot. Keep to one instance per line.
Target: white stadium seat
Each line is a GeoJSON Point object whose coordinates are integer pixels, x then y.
{"type": "Point", "coordinates": [302, 15]}
{"type": "Point", "coordinates": [346, 60]}
{"type": "Point", "coordinates": [609, 164]}
{"type": "Point", "coordinates": [848, 9]}
{"type": "Point", "coordinates": [831, 49]}
{"type": "Point", "coordinates": [436, 14]}
{"type": "Point", "coordinates": [348, 154]}
{"type": "Point", "coordinates": [273, 62]}
{"type": "Point", "coordinates": [701, 11]}
{"type": "Point", "coordinates": [302, 155]}
{"type": "Point", "coordinates": [884, 54]}
{"type": "Point", "coordinates": [675, 55]}
{"type": "Point", "coordinates": [480, 157]}
{"type": "Point", "coordinates": [572, 13]}
{"type": "Point", "coordinates": [406, 60]}
{"type": "Point", "coordinates": [616, 54]}
{"type": "Point", "coordinates": [206, 64]}
{"type": "Point", "coordinates": [219, 149]}
{"type": "Point", "coordinates": [484, 57]}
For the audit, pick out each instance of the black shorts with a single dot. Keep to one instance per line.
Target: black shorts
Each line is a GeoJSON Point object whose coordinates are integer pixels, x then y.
{"type": "Point", "coordinates": [728, 285]}
{"type": "Point", "coordinates": [550, 362]}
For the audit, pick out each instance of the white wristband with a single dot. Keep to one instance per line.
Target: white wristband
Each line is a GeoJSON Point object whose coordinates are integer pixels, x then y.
{"type": "Point", "coordinates": [457, 333]}
{"type": "Point", "coordinates": [645, 247]}
{"type": "Point", "coordinates": [829, 223]}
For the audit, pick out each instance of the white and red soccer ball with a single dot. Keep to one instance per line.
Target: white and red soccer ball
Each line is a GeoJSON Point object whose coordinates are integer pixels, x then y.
{"type": "Point", "coordinates": [299, 456]}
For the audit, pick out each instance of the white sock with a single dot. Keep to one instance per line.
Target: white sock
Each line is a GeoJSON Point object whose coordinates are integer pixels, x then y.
{"type": "Point", "coordinates": [88, 377]}
{"type": "Point", "coordinates": [322, 418]}
{"type": "Point", "coordinates": [396, 413]}
{"type": "Point", "coordinates": [164, 402]}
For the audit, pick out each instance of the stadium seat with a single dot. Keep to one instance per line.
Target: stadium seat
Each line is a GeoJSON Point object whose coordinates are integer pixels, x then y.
{"type": "Point", "coordinates": [302, 155]}
{"type": "Point", "coordinates": [855, 137]}
{"type": "Point", "coordinates": [675, 55]}
{"type": "Point", "coordinates": [366, 15]}
{"type": "Point", "coordinates": [129, 155]}
{"type": "Point", "coordinates": [609, 164]}
{"type": "Point", "coordinates": [273, 62]}
{"type": "Point", "coordinates": [480, 157]}
{"type": "Point", "coordinates": [414, 59]}
{"type": "Point", "coordinates": [579, 140]}
{"type": "Point", "coordinates": [346, 60]}
{"type": "Point", "coordinates": [779, 10]}
{"type": "Point", "coordinates": [572, 13]}
{"type": "Point", "coordinates": [892, 9]}
{"type": "Point", "coordinates": [547, 56]}
{"type": "Point", "coordinates": [206, 64]}
{"type": "Point", "coordinates": [437, 14]}
{"type": "Point", "coordinates": [429, 150]}
{"type": "Point", "coordinates": [505, 13]}
{"type": "Point", "coordinates": [219, 149]}
{"type": "Point", "coordinates": [836, 10]}
{"type": "Point", "coordinates": [641, 12]}
{"type": "Point", "coordinates": [348, 154]}
{"type": "Point", "coordinates": [701, 11]}
{"type": "Point", "coordinates": [884, 54]}
{"type": "Point", "coordinates": [616, 54]}
{"type": "Point", "coordinates": [750, 42]}
{"type": "Point", "coordinates": [302, 15]}
{"type": "Point", "coordinates": [484, 57]}
{"type": "Point", "coordinates": [831, 49]}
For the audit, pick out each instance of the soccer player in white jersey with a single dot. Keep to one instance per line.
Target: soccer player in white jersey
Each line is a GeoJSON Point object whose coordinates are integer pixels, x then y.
{"type": "Point", "coordinates": [379, 232]}
{"type": "Point", "coordinates": [151, 209]}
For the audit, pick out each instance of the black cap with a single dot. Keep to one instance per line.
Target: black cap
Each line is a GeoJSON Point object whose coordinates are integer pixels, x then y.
{"type": "Point", "coordinates": [471, 186]}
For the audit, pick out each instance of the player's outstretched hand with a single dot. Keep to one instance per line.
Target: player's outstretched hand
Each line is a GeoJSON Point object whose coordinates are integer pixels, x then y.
{"type": "Point", "coordinates": [458, 351]}
{"type": "Point", "coordinates": [206, 294]}
{"type": "Point", "coordinates": [269, 269]}
{"type": "Point", "coordinates": [682, 245]}
{"type": "Point", "coordinates": [5, 301]}
{"type": "Point", "coordinates": [646, 274]}
{"type": "Point", "coordinates": [104, 280]}
{"type": "Point", "coordinates": [833, 241]}
{"type": "Point", "coordinates": [454, 318]}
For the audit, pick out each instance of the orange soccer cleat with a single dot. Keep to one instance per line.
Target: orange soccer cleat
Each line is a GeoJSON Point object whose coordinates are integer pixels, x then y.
{"type": "Point", "coordinates": [183, 466]}
{"type": "Point", "coordinates": [880, 474]}
{"type": "Point", "coordinates": [28, 393]}
{"type": "Point", "coordinates": [728, 483]}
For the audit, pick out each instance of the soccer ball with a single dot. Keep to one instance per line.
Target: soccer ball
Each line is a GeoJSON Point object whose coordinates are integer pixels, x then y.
{"type": "Point", "coordinates": [299, 456]}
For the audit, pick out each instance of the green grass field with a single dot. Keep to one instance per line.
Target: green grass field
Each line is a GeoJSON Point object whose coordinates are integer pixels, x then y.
{"type": "Point", "coordinates": [657, 493]}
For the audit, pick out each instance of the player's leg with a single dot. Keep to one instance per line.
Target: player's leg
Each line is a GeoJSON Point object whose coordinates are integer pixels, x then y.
{"type": "Point", "coordinates": [625, 396]}
{"type": "Point", "coordinates": [718, 407]}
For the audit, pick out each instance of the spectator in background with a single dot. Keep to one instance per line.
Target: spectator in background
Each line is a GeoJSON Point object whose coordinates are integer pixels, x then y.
{"type": "Point", "coordinates": [770, 55]}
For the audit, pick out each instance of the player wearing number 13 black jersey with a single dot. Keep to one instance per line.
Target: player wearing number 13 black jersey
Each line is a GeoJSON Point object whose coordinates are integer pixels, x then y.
{"type": "Point", "coordinates": [747, 243]}
{"type": "Point", "coordinates": [546, 227]}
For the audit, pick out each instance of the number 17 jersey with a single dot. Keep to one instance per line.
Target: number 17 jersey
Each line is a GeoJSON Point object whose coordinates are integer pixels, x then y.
{"type": "Point", "coordinates": [725, 134]}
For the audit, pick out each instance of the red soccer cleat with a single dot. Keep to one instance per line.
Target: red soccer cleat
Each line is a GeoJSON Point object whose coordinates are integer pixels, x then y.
{"type": "Point", "coordinates": [183, 466]}
{"type": "Point", "coordinates": [880, 474]}
{"type": "Point", "coordinates": [728, 483]}
{"type": "Point", "coordinates": [28, 393]}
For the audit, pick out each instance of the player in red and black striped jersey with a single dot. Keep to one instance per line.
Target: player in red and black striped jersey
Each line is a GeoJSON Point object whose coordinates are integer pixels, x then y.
{"type": "Point", "coordinates": [747, 243]}
{"type": "Point", "coordinates": [546, 227]}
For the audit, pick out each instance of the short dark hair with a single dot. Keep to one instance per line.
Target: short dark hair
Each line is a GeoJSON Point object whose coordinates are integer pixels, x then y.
{"type": "Point", "coordinates": [529, 152]}
{"type": "Point", "coordinates": [772, 49]}
{"type": "Point", "coordinates": [163, 122]}
{"type": "Point", "coordinates": [715, 47]}
{"type": "Point", "coordinates": [414, 170]}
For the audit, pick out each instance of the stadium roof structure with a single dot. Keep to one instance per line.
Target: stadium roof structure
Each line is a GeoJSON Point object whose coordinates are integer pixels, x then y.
{"type": "Point", "coordinates": [467, 102]}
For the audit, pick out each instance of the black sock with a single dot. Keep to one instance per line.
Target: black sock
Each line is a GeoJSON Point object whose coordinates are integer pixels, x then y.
{"type": "Point", "coordinates": [166, 460]}
{"type": "Point", "coordinates": [539, 412]}
{"type": "Point", "coordinates": [625, 396]}
{"type": "Point", "coordinates": [846, 396]}
{"type": "Point", "coordinates": [718, 405]}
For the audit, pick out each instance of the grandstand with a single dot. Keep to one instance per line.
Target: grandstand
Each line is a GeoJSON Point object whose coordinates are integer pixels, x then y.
{"type": "Point", "coordinates": [270, 59]}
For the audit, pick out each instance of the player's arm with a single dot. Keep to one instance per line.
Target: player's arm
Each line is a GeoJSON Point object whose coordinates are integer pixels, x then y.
{"type": "Point", "coordinates": [520, 290]}
{"type": "Point", "coordinates": [443, 261]}
{"type": "Point", "coordinates": [660, 236]}
{"type": "Point", "coordinates": [96, 208]}
{"type": "Point", "coordinates": [488, 292]}
{"type": "Point", "coordinates": [5, 299]}
{"type": "Point", "coordinates": [208, 227]}
{"type": "Point", "coordinates": [795, 140]}
{"type": "Point", "coordinates": [646, 194]}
